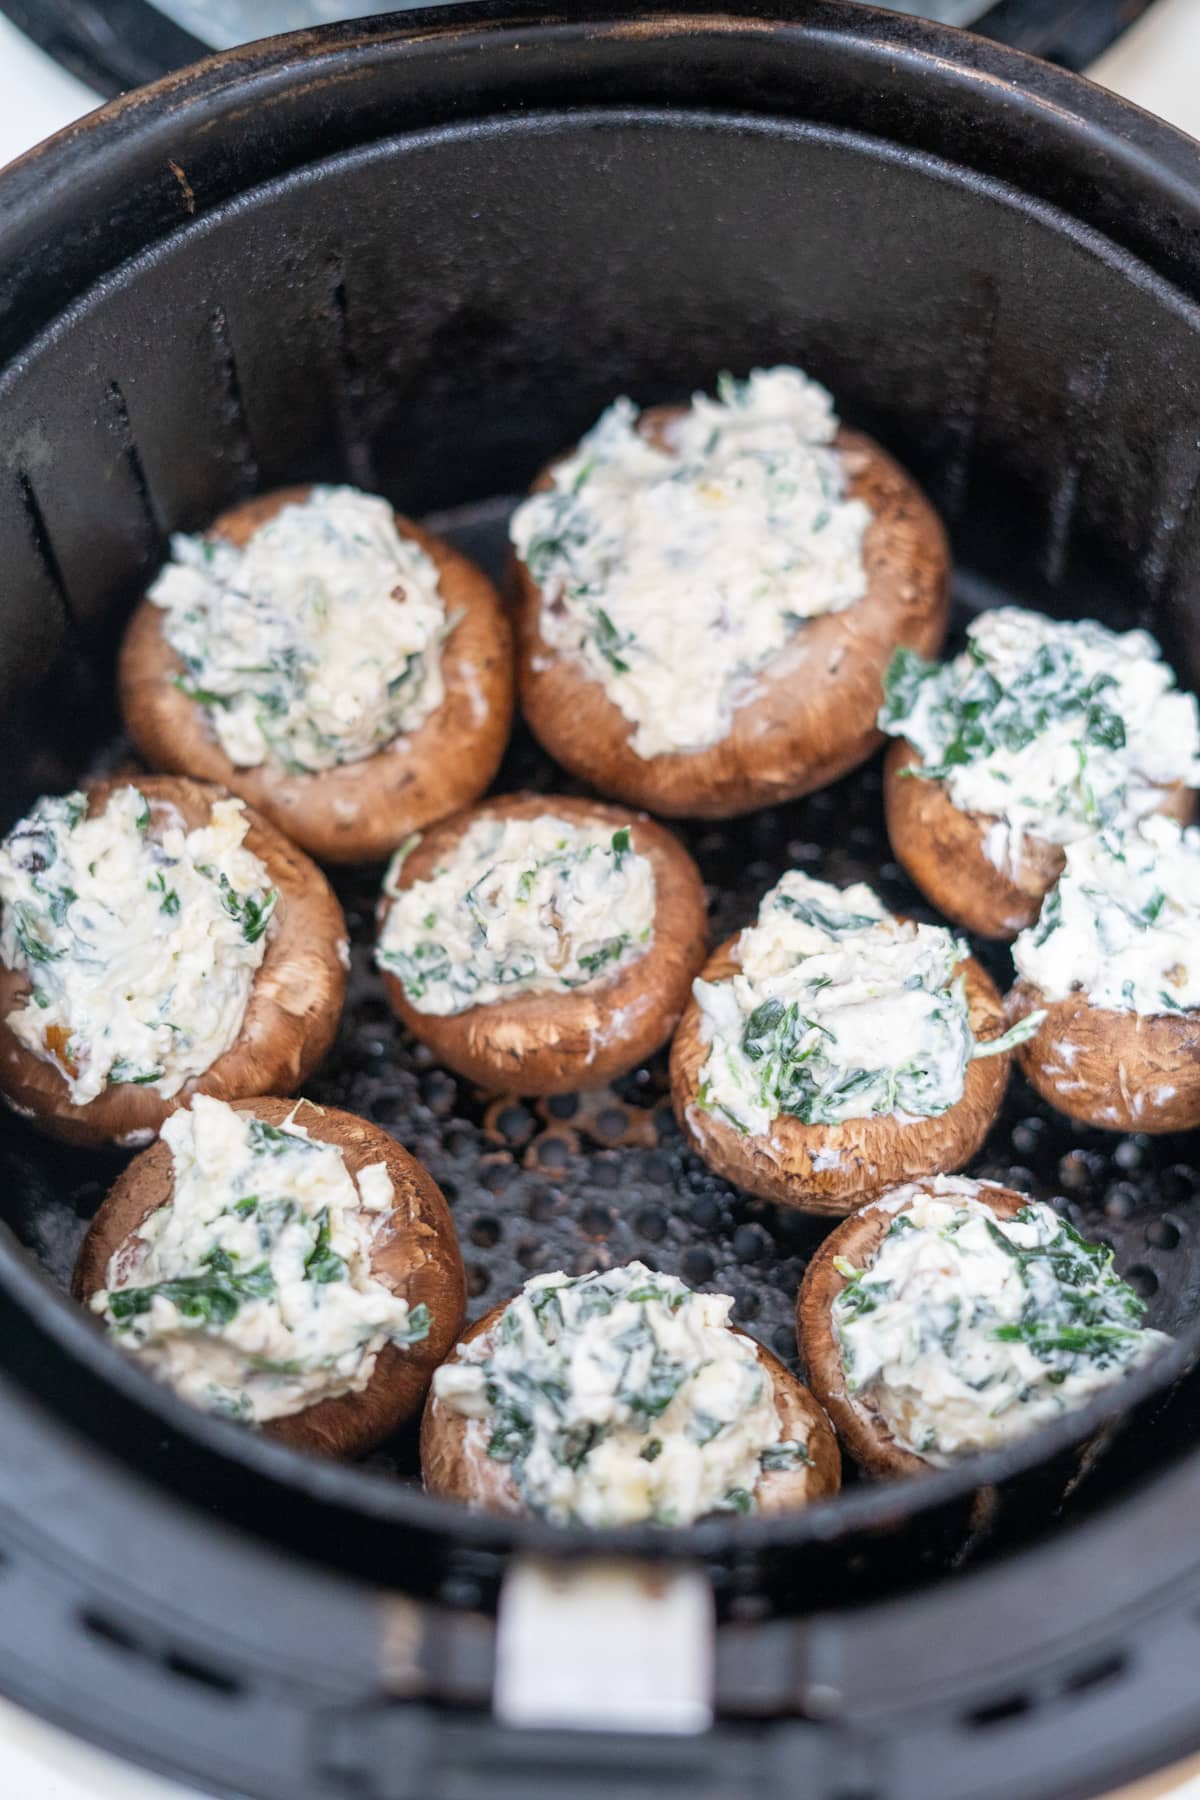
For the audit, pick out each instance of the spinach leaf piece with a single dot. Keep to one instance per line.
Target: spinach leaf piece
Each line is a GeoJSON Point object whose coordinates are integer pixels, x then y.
{"type": "Point", "coordinates": [322, 1264]}
{"type": "Point", "coordinates": [212, 1298]}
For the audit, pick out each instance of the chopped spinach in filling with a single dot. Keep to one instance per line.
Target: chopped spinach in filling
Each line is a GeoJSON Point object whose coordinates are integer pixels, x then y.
{"type": "Point", "coordinates": [522, 906]}
{"type": "Point", "coordinates": [678, 569]}
{"type": "Point", "coordinates": [1051, 729]}
{"type": "Point", "coordinates": [839, 1011]}
{"type": "Point", "coordinates": [968, 1330]}
{"type": "Point", "coordinates": [1122, 926]}
{"type": "Point", "coordinates": [317, 643]}
{"type": "Point", "coordinates": [620, 1397]}
{"type": "Point", "coordinates": [251, 1292]}
{"type": "Point", "coordinates": [141, 939]}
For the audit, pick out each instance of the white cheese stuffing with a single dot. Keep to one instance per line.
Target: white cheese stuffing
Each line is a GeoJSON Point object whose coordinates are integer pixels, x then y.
{"type": "Point", "coordinates": [677, 573]}
{"type": "Point", "coordinates": [523, 906]}
{"type": "Point", "coordinates": [839, 1011]}
{"type": "Point", "coordinates": [141, 939]}
{"type": "Point", "coordinates": [1122, 926]}
{"type": "Point", "coordinates": [250, 1292]}
{"type": "Point", "coordinates": [620, 1397]}
{"type": "Point", "coordinates": [318, 643]}
{"type": "Point", "coordinates": [1052, 729]}
{"type": "Point", "coordinates": [967, 1331]}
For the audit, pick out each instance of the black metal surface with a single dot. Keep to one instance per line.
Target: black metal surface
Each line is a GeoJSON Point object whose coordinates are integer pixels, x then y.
{"type": "Point", "coordinates": [424, 256]}
{"type": "Point", "coordinates": [121, 43]}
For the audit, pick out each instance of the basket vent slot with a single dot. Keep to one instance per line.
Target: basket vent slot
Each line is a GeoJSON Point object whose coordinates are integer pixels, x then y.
{"type": "Point", "coordinates": [189, 1668]}
{"type": "Point", "coordinates": [999, 1712]}
{"type": "Point", "coordinates": [349, 394]}
{"type": "Point", "coordinates": [237, 428]}
{"type": "Point", "coordinates": [41, 541]}
{"type": "Point", "coordinates": [186, 1667]}
{"type": "Point", "coordinates": [122, 429]}
{"type": "Point", "coordinates": [109, 1632]}
{"type": "Point", "coordinates": [1096, 1674]}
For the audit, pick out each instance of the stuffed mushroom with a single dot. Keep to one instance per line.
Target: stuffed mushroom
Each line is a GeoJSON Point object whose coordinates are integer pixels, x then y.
{"type": "Point", "coordinates": [951, 1316]}
{"type": "Point", "coordinates": [158, 939]}
{"type": "Point", "coordinates": [538, 944]}
{"type": "Point", "coordinates": [707, 597]}
{"type": "Point", "coordinates": [343, 670]}
{"type": "Point", "coordinates": [617, 1398]}
{"type": "Point", "coordinates": [1113, 969]}
{"type": "Point", "coordinates": [832, 1049]}
{"type": "Point", "coordinates": [1038, 734]}
{"type": "Point", "coordinates": [281, 1264]}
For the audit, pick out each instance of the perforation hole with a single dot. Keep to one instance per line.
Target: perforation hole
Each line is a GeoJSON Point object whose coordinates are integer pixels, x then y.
{"type": "Point", "coordinates": [751, 1243]}
{"type": "Point", "coordinates": [542, 1205]}
{"type": "Point", "coordinates": [553, 1152]}
{"type": "Point", "coordinates": [1121, 1200]}
{"type": "Point", "coordinates": [515, 1124]}
{"type": "Point", "coordinates": [651, 1223]}
{"type": "Point", "coordinates": [697, 1265]}
{"type": "Point", "coordinates": [497, 1176]}
{"type": "Point", "coordinates": [1142, 1280]}
{"type": "Point", "coordinates": [439, 1092]}
{"type": "Point", "coordinates": [1027, 1135]}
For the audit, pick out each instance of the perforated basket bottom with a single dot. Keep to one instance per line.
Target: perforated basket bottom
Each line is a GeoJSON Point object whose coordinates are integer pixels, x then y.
{"type": "Point", "coordinates": [589, 1180]}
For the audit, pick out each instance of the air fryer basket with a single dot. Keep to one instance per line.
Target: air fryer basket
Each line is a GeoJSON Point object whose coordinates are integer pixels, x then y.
{"type": "Point", "coordinates": [129, 41]}
{"type": "Point", "coordinates": [421, 255]}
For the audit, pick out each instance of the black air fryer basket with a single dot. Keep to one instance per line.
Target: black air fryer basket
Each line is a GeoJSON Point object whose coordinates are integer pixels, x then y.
{"type": "Point", "coordinates": [421, 254]}
{"type": "Point", "coordinates": [122, 42]}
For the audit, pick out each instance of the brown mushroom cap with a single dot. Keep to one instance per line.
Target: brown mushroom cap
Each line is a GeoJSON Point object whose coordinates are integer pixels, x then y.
{"type": "Point", "coordinates": [356, 811]}
{"type": "Point", "coordinates": [832, 1168]}
{"type": "Point", "coordinates": [555, 1043]}
{"type": "Point", "coordinates": [291, 1016]}
{"type": "Point", "coordinates": [857, 1240]}
{"type": "Point", "coordinates": [456, 1466]}
{"type": "Point", "coordinates": [1122, 1071]}
{"type": "Point", "coordinates": [812, 714]}
{"type": "Point", "coordinates": [941, 847]}
{"type": "Point", "coordinates": [415, 1254]}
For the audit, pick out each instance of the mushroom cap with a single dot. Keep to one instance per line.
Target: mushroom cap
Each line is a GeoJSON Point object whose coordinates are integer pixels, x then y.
{"type": "Point", "coordinates": [291, 1016]}
{"type": "Point", "coordinates": [415, 1253]}
{"type": "Point", "coordinates": [811, 714]}
{"type": "Point", "coordinates": [455, 1463]}
{"type": "Point", "coordinates": [554, 1043]}
{"type": "Point", "coordinates": [355, 811]}
{"type": "Point", "coordinates": [833, 1168]}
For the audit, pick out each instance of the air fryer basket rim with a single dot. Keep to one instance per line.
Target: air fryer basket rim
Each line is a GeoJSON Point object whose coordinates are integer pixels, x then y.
{"type": "Point", "coordinates": [323, 1636]}
{"type": "Point", "coordinates": [121, 151]}
{"type": "Point", "coordinates": [1084, 126]}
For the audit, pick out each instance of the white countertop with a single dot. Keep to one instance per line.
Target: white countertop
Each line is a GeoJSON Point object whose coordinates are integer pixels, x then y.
{"type": "Point", "coordinates": [1157, 64]}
